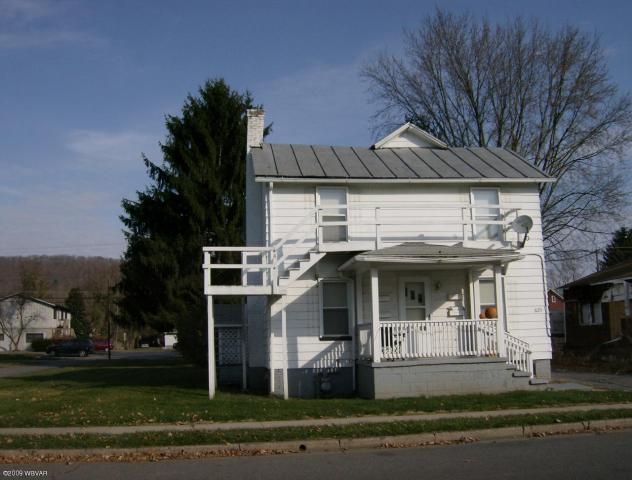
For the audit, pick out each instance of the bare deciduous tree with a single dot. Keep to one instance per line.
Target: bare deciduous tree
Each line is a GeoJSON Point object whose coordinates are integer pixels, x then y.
{"type": "Point", "coordinates": [15, 318]}
{"type": "Point", "coordinates": [544, 94]}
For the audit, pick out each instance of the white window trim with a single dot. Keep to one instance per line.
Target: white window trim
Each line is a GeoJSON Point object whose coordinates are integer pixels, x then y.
{"type": "Point", "coordinates": [475, 290]}
{"type": "Point", "coordinates": [473, 203]}
{"type": "Point", "coordinates": [350, 309]}
{"type": "Point", "coordinates": [346, 207]}
{"type": "Point", "coordinates": [401, 298]}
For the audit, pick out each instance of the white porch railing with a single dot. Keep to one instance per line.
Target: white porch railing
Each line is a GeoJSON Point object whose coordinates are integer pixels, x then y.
{"type": "Point", "coordinates": [402, 340]}
{"type": "Point", "coordinates": [445, 338]}
{"type": "Point", "coordinates": [518, 353]}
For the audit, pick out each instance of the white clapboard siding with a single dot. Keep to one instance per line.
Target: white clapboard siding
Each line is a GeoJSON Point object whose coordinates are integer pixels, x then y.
{"type": "Point", "coordinates": [525, 305]}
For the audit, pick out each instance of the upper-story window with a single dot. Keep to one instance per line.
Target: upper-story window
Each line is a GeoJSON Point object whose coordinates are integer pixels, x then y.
{"type": "Point", "coordinates": [332, 203]}
{"type": "Point", "coordinates": [485, 202]}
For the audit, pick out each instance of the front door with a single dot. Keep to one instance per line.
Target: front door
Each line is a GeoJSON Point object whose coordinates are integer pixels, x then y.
{"type": "Point", "coordinates": [409, 336]}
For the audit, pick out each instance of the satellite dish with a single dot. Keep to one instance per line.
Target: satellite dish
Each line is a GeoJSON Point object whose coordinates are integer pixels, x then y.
{"type": "Point", "coordinates": [522, 224]}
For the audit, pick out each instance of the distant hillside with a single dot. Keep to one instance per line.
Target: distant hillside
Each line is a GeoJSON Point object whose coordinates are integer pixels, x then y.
{"type": "Point", "coordinates": [60, 273]}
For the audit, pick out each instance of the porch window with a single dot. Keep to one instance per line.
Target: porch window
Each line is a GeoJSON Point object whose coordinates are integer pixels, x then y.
{"type": "Point", "coordinates": [483, 200]}
{"type": "Point", "coordinates": [335, 310]}
{"type": "Point", "coordinates": [487, 293]}
{"type": "Point", "coordinates": [591, 314]}
{"type": "Point", "coordinates": [333, 204]}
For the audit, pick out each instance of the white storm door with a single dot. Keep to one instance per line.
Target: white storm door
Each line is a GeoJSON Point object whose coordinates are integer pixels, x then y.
{"type": "Point", "coordinates": [414, 306]}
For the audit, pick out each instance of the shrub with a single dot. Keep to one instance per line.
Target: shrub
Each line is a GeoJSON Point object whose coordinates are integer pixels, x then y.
{"type": "Point", "coordinates": [40, 344]}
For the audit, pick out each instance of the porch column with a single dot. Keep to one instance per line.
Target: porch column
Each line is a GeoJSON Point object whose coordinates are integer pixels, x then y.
{"type": "Point", "coordinates": [211, 347]}
{"type": "Point", "coordinates": [500, 309]}
{"type": "Point", "coordinates": [284, 348]}
{"type": "Point", "coordinates": [359, 320]}
{"type": "Point", "coordinates": [375, 317]}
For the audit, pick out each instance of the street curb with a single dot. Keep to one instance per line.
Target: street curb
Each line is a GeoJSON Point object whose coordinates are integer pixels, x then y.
{"type": "Point", "coordinates": [308, 446]}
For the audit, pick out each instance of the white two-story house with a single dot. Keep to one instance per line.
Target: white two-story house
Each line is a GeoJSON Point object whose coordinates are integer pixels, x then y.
{"type": "Point", "coordinates": [405, 268]}
{"type": "Point", "coordinates": [24, 319]}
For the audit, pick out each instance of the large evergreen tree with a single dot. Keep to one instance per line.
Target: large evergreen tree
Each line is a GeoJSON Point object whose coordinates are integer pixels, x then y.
{"type": "Point", "coordinates": [619, 248]}
{"type": "Point", "coordinates": [80, 322]}
{"type": "Point", "coordinates": [196, 198]}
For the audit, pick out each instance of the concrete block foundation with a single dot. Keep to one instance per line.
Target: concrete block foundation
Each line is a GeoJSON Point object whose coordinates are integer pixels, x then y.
{"type": "Point", "coordinates": [437, 377]}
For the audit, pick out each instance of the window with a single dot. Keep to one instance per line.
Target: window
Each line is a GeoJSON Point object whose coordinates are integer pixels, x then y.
{"type": "Point", "coordinates": [591, 314]}
{"type": "Point", "coordinates": [482, 213]}
{"type": "Point", "coordinates": [1, 337]}
{"type": "Point", "coordinates": [34, 336]}
{"type": "Point", "coordinates": [487, 294]}
{"type": "Point", "coordinates": [335, 310]}
{"type": "Point", "coordinates": [333, 202]}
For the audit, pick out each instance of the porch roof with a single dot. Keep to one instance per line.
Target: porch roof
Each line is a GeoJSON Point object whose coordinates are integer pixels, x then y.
{"type": "Point", "coordinates": [431, 254]}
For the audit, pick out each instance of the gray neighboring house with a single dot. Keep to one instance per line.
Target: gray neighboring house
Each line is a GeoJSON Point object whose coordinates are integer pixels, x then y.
{"type": "Point", "coordinates": [401, 269]}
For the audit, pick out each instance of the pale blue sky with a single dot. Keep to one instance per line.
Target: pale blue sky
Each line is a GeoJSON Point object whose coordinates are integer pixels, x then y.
{"type": "Point", "coordinates": [85, 86]}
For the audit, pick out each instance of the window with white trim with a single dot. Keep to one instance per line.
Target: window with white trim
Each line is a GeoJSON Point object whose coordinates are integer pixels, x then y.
{"type": "Point", "coordinates": [591, 314]}
{"type": "Point", "coordinates": [333, 213]}
{"type": "Point", "coordinates": [34, 336]}
{"type": "Point", "coordinates": [487, 294]}
{"type": "Point", "coordinates": [334, 310]}
{"type": "Point", "coordinates": [485, 202]}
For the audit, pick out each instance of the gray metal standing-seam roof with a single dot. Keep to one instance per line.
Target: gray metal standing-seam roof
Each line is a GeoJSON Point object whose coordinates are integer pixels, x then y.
{"type": "Point", "coordinates": [278, 161]}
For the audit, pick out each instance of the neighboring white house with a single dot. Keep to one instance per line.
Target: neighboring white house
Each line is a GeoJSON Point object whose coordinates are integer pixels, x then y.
{"type": "Point", "coordinates": [30, 319]}
{"type": "Point", "coordinates": [394, 270]}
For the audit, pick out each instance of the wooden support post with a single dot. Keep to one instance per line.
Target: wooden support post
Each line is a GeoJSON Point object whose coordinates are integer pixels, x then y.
{"type": "Point", "coordinates": [375, 316]}
{"type": "Point", "coordinates": [211, 348]}
{"type": "Point", "coordinates": [284, 348]}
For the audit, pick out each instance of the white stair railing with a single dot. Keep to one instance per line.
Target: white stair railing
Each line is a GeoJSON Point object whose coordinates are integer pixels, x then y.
{"type": "Point", "coordinates": [518, 354]}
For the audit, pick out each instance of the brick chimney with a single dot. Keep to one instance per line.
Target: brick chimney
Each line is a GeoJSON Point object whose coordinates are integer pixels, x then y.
{"type": "Point", "coordinates": [255, 128]}
{"type": "Point", "coordinates": [254, 218]}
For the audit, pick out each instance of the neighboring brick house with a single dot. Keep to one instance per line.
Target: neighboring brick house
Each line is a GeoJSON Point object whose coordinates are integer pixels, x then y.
{"type": "Point", "coordinates": [399, 269]}
{"type": "Point", "coordinates": [33, 318]}
{"type": "Point", "coordinates": [596, 306]}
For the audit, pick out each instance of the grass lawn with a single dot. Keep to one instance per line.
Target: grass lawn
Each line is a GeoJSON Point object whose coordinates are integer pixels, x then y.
{"type": "Point", "coordinates": [135, 392]}
{"type": "Point", "coordinates": [166, 438]}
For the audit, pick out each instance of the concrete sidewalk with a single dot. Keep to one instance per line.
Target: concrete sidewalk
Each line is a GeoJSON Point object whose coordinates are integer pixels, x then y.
{"type": "Point", "coordinates": [374, 419]}
{"type": "Point", "coordinates": [592, 380]}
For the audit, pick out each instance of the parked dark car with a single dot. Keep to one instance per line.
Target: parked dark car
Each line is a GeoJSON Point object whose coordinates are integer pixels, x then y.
{"type": "Point", "coordinates": [102, 344]}
{"type": "Point", "coordinates": [77, 346]}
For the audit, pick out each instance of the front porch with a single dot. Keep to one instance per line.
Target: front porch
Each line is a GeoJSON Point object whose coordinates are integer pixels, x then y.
{"type": "Point", "coordinates": [432, 319]}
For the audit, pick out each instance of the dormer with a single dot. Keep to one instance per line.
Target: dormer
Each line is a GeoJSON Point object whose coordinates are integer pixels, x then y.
{"type": "Point", "coordinates": [409, 136]}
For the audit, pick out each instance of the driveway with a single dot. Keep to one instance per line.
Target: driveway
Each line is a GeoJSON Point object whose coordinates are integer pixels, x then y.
{"type": "Point", "coordinates": [598, 381]}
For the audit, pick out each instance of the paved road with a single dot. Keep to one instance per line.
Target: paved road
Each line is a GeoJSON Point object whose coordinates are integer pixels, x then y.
{"type": "Point", "coordinates": [46, 362]}
{"type": "Point", "coordinates": [586, 456]}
